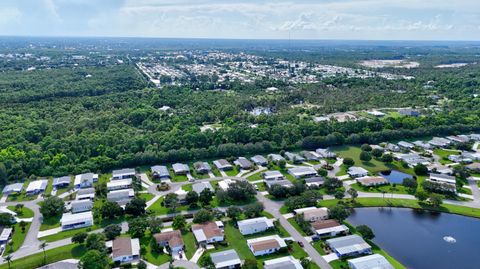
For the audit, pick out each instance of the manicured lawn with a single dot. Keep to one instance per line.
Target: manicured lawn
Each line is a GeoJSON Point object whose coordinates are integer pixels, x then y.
{"type": "Point", "coordinates": [24, 214]}
{"type": "Point", "coordinates": [255, 177]}
{"type": "Point", "coordinates": [146, 196]}
{"type": "Point", "coordinates": [388, 202]}
{"type": "Point", "coordinates": [157, 208]}
{"type": "Point", "coordinates": [149, 255]}
{"type": "Point", "coordinates": [232, 172]}
{"type": "Point", "coordinates": [190, 245]}
{"type": "Point", "coordinates": [399, 189]}
{"type": "Point", "coordinates": [187, 187]}
{"type": "Point", "coordinates": [50, 223]}
{"type": "Point", "coordinates": [297, 227]}
{"type": "Point", "coordinates": [353, 152]}
{"type": "Point", "coordinates": [53, 255]}
{"type": "Point", "coordinates": [318, 246]}
{"type": "Point", "coordinates": [443, 154]}
{"type": "Point", "coordinates": [215, 170]}
{"type": "Point", "coordinates": [17, 238]}
{"type": "Point", "coordinates": [342, 171]}
{"type": "Point", "coordinates": [20, 197]}
{"type": "Point", "coordinates": [49, 188]}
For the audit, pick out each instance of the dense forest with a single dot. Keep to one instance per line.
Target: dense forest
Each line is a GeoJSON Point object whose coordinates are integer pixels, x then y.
{"type": "Point", "coordinates": [57, 121]}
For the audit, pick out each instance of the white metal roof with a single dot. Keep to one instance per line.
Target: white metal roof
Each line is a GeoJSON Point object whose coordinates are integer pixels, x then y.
{"type": "Point", "coordinates": [69, 218]}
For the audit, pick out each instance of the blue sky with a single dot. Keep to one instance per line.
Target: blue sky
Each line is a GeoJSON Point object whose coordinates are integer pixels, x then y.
{"type": "Point", "coordinates": [261, 19]}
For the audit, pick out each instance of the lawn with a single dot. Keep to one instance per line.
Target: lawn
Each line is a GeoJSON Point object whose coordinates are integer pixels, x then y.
{"type": "Point", "coordinates": [24, 214]}
{"type": "Point", "coordinates": [152, 257]}
{"type": "Point", "coordinates": [50, 223]}
{"type": "Point", "coordinates": [389, 188]}
{"type": "Point", "coordinates": [187, 187]}
{"type": "Point", "coordinates": [255, 177]}
{"type": "Point", "coordinates": [318, 246]}
{"type": "Point", "coordinates": [215, 171]}
{"type": "Point", "coordinates": [296, 226]}
{"type": "Point", "coordinates": [373, 166]}
{"type": "Point", "coordinates": [388, 202]}
{"type": "Point", "coordinates": [157, 208]}
{"type": "Point", "coordinates": [49, 188]}
{"type": "Point", "coordinates": [17, 238]}
{"type": "Point", "coordinates": [444, 153]}
{"type": "Point", "coordinates": [20, 197]}
{"type": "Point", "coordinates": [190, 245]}
{"type": "Point", "coordinates": [146, 196]}
{"type": "Point", "coordinates": [233, 172]}
{"type": "Point", "coordinates": [53, 255]}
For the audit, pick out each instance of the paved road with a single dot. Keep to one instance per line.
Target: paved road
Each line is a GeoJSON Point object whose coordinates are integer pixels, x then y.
{"type": "Point", "coordinates": [475, 191]}
{"type": "Point", "coordinates": [273, 207]}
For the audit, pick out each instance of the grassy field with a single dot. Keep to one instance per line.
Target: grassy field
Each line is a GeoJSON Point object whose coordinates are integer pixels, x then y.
{"type": "Point", "coordinates": [149, 255]}
{"type": "Point", "coordinates": [17, 238]}
{"type": "Point", "coordinates": [146, 196]}
{"type": "Point", "coordinates": [296, 226]}
{"type": "Point", "coordinates": [190, 245]}
{"type": "Point", "coordinates": [233, 172]}
{"type": "Point", "coordinates": [50, 223]}
{"type": "Point", "coordinates": [49, 188]}
{"type": "Point", "coordinates": [158, 209]}
{"type": "Point", "coordinates": [398, 189]}
{"type": "Point", "coordinates": [25, 213]}
{"type": "Point", "coordinates": [72, 251]}
{"type": "Point", "coordinates": [318, 246]}
{"type": "Point", "coordinates": [373, 166]}
{"type": "Point", "coordinates": [255, 177]}
{"type": "Point", "coordinates": [388, 202]}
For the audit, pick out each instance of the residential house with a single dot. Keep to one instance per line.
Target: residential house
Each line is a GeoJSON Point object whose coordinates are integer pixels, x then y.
{"type": "Point", "coordinates": [423, 145]}
{"type": "Point", "coordinates": [81, 206]}
{"type": "Point", "coordinates": [350, 245]}
{"type": "Point", "coordinates": [471, 155]}
{"type": "Point", "coordinates": [243, 163]}
{"type": "Point", "coordinates": [223, 165]}
{"type": "Point", "coordinates": [88, 193]}
{"type": "Point", "coordinates": [266, 245]}
{"type": "Point", "coordinates": [172, 239]}
{"type": "Point", "coordinates": [272, 175]}
{"type": "Point", "coordinates": [392, 147]}
{"type": "Point", "coordinates": [275, 157]}
{"type": "Point", "coordinates": [61, 182]}
{"type": "Point", "coordinates": [326, 153]}
{"type": "Point", "coordinates": [74, 221]}
{"type": "Point", "coordinates": [259, 160]}
{"type": "Point", "coordinates": [287, 262]}
{"type": "Point", "coordinates": [256, 225]}
{"type": "Point", "coordinates": [13, 188]}
{"type": "Point", "coordinates": [356, 171]}
{"type": "Point", "coordinates": [442, 178]}
{"type": "Point", "coordinates": [180, 169]}
{"type": "Point", "coordinates": [202, 167]}
{"type": "Point", "coordinates": [293, 157]}
{"type": "Point", "coordinates": [405, 145]}
{"type": "Point", "coordinates": [119, 184]}
{"type": "Point", "coordinates": [5, 234]}
{"type": "Point", "coordinates": [369, 181]}
{"type": "Point", "coordinates": [409, 112]}
{"type": "Point", "coordinates": [474, 167]}
{"type": "Point", "coordinates": [374, 261]}
{"type": "Point", "coordinates": [314, 181]}
{"type": "Point", "coordinates": [85, 180]}
{"type": "Point", "coordinates": [413, 159]}
{"type": "Point", "coordinates": [439, 142]}
{"type": "Point", "coordinates": [224, 184]}
{"type": "Point", "coordinates": [126, 173]}
{"type": "Point", "coordinates": [440, 169]}
{"type": "Point", "coordinates": [227, 259]}
{"type": "Point", "coordinates": [36, 187]}
{"type": "Point", "coordinates": [124, 249]}
{"type": "Point", "coordinates": [376, 113]}
{"type": "Point", "coordinates": [199, 187]}
{"type": "Point", "coordinates": [302, 171]}
{"type": "Point", "coordinates": [208, 232]}
{"type": "Point", "coordinates": [458, 138]}
{"type": "Point", "coordinates": [329, 227]}
{"type": "Point", "coordinates": [160, 172]}
{"type": "Point", "coordinates": [459, 159]}
{"type": "Point", "coordinates": [312, 214]}
{"type": "Point", "coordinates": [121, 197]}
{"type": "Point", "coordinates": [283, 182]}
{"type": "Point", "coordinates": [311, 155]}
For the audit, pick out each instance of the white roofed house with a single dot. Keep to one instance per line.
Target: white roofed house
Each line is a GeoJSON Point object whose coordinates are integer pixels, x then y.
{"type": "Point", "coordinates": [314, 181]}
{"type": "Point", "coordinates": [458, 138]}
{"type": "Point", "coordinates": [369, 181]}
{"type": "Point", "coordinates": [88, 193]}
{"type": "Point", "coordinates": [85, 180]}
{"type": "Point", "coordinates": [443, 182]}
{"type": "Point", "coordinates": [5, 234]}
{"type": "Point", "coordinates": [293, 157]}
{"type": "Point", "coordinates": [313, 213]}
{"type": "Point", "coordinates": [439, 142]}
{"type": "Point", "coordinates": [272, 175]}
{"type": "Point", "coordinates": [356, 171]}
{"type": "Point", "coordinates": [392, 147]}
{"type": "Point", "coordinates": [374, 261]}
{"type": "Point", "coordinates": [243, 163]}
{"type": "Point", "coordinates": [180, 169]}
{"type": "Point", "coordinates": [413, 159]}
{"type": "Point", "coordinates": [125, 173]}
{"type": "Point", "coordinates": [199, 187]}
{"type": "Point", "coordinates": [266, 245]}
{"type": "Point", "coordinates": [256, 225]}
{"type": "Point", "coordinates": [329, 227]}
{"type": "Point", "coordinates": [61, 182]}
{"type": "Point", "coordinates": [275, 157]}
{"type": "Point", "coordinates": [227, 259]}
{"type": "Point", "coordinates": [81, 206]}
{"type": "Point", "coordinates": [224, 184]}
{"type": "Point", "coordinates": [259, 160]}
{"type": "Point", "coordinates": [36, 187]}
{"type": "Point", "coordinates": [421, 144]}
{"type": "Point", "coordinates": [124, 249]}
{"type": "Point", "coordinates": [287, 262]}
{"type": "Point", "coordinates": [160, 172]}
{"type": "Point", "coordinates": [223, 165]}
{"type": "Point", "coordinates": [302, 171]}
{"type": "Point", "coordinates": [326, 153]}
{"type": "Point", "coordinates": [202, 167]}
{"type": "Point", "coordinates": [350, 245]}
{"type": "Point", "coordinates": [13, 188]}
{"type": "Point", "coordinates": [121, 197]}
{"type": "Point", "coordinates": [208, 232]}
{"type": "Point", "coordinates": [283, 182]}
{"type": "Point", "coordinates": [74, 221]}
{"type": "Point", "coordinates": [311, 155]}
{"type": "Point", "coordinates": [405, 145]}
{"type": "Point", "coordinates": [119, 184]}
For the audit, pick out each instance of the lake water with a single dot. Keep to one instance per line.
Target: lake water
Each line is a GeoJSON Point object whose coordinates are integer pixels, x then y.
{"type": "Point", "coordinates": [416, 239]}
{"type": "Point", "coordinates": [395, 176]}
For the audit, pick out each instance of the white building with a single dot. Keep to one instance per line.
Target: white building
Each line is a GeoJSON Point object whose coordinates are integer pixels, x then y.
{"type": "Point", "coordinates": [36, 187]}
{"type": "Point", "coordinates": [329, 228]}
{"type": "Point", "coordinates": [180, 169]}
{"type": "Point", "coordinates": [121, 197]}
{"type": "Point", "coordinates": [74, 221]}
{"type": "Point", "coordinates": [256, 225]}
{"type": "Point", "coordinates": [225, 183]}
{"type": "Point", "coordinates": [356, 171]}
{"type": "Point", "coordinates": [88, 193]}
{"type": "Point", "coordinates": [287, 262]}
{"type": "Point", "coordinates": [199, 187]}
{"type": "Point", "coordinates": [81, 206]}
{"type": "Point", "coordinates": [15, 187]}
{"type": "Point", "coordinates": [375, 261]}
{"type": "Point", "coordinates": [303, 171]}
{"type": "Point", "coordinates": [350, 245]}
{"type": "Point", "coordinates": [312, 213]}
{"type": "Point", "coordinates": [85, 180]}
{"type": "Point", "coordinates": [123, 173]}
{"type": "Point", "coordinates": [272, 175]}
{"type": "Point", "coordinates": [119, 184]}
{"type": "Point", "coordinates": [266, 245]}
{"type": "Point", "coordinates": [227, 259]}
{"type": "Point", "coordinates": [124, 249]}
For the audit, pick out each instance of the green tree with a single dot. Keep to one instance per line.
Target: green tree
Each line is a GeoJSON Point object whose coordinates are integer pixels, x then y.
{"type": "Point", "coordinates": [179, 222]}
{"type": "Point", "coordinates": [8, 259]}
{"type": "Point", "coordinates": [52, 206]}
{"type": "Point", "coordinates": [79, 238]}
{"type": "Point", "coordinates": [137, 227]}
{"type": "Point", "coordinates": [93, 259]}
{"type": "Point", "coordinates": [305, 262]}
{"type": "Point", "coordinates": [155, 224]}
{"type": "Point", "coordinates": [234, 212]}
{"type": "Point", "coordinates": [421, 195]}
{"type": "Point", "coordinates": [353, 193]}
{"type": "Point", "coordinates": [366, 232]}
{"type": "Point", "coordinates": [253, 210]}
{"type": "Point", "coordinates": [387, 158]}
{"type": "Point", "coordinates": [6, 219]}
{"type": "Point", "coordinates": [171, 202]}
{"type": "Point", "coordinates": [410, 183]}
{"type": "Point", "coordinates": [42, 246]}
{"type": "Point", "coordinates": [202, 216]}
{"type": "Point", "coordinates": [191, 198]}
{"type": "Point", "coordinates": [338, 212]}
{"type": "Point", "coordinates": [250, 264]}
{"type": "Point", "coordinates": [435, 200]}
{"type": "Point", "coordinates": [112, 231]}
{"type": "Point", "coordinates": [141, 265]}
{"type": "Point", "coordinates": [377, 153]}
{"type": "Point", "coordinates": [136, 207]}
{"type": "Point", "coordinates": [339, 194]}
{"type": "Point", "coordinates": [111, 210]}
{"type": "Point", "coordinates": [205, 196]}
{"type": "Point", "coordinates": [366, 147]}
{"type": "Point", "coordinates": [365, 156]}
{"type": "Point", "coordinates": [420, 170]}
{"type": "Point", "coordinates": [348, 161]}
{"type": "Point", "coordinates": [96, 241]}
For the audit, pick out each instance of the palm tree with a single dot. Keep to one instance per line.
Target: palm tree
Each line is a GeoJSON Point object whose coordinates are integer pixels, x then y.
{"type": "Point", "coordinates": [383, 194]}
{"type": "Point", "coordinates": [8, 258]}
{"type": "Point", "coordinates": [42, 246]}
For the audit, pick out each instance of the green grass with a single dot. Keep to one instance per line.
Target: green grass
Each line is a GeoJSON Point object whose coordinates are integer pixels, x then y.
{"type": "Point", "coordinates": [443, 154]}
{"type": "Point", "coordinates": [255, 177]}
{"type": "Point", "coordinates": [215, 170]}
{"type": "Point", "coordinates": [296, 226]}
{"type": "Point", "coordinates": [146, 196]}
{"type": "Point", "coordinates": [187, 187]}
{"type": "Point", "coordinates": [233, 172]}
{"type": "Point", "coordinates": [49, 188]}
{"type": "Point", "coordinates": [17, 238]}
{"type": "Point", "coordinates": [50, 223]}
{"type": "Point", "coordinates": [21, 197]}
{"type": "Point", "coordinates": [388, 202]}
{"type": "Point", "coordinates": [398, 189]}
{"type": "Point", "coordinates": [72, 251]}
{"type": "Point", "coordinates": [190, 245]}
{"type": "Point", "coordinates": [318, 246]}
{"type": "Point", "coordinates": [342, 171]}
{"type": "Point", "coordinates": [373, 166]}
{"type": "Point", "coordinates": [25, 213]}
{"type": "Point", "coordinates": [157, 208]}
{"type": "Point", "coordinates": [149, 255]}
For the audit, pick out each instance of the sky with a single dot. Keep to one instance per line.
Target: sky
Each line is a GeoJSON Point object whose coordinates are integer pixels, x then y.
{"type": "Point", "coordinates": [245, 19]}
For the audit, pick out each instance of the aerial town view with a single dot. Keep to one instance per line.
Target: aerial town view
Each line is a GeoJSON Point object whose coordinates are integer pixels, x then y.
{"type": "Point", "coordinates": [158, 134]}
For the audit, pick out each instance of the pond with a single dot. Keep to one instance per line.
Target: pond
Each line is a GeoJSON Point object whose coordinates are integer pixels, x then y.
{"type": "Point", "coordinates": [395, 176]}
{"type": "Point", "coordinates": [420, 239]}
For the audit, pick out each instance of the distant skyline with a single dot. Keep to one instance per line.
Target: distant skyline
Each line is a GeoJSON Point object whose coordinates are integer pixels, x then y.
{"type": "Point", "coordinates": [245, 19]}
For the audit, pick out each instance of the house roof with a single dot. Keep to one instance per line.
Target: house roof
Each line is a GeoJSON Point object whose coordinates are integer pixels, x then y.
{"type": "Point", "coordinates": [266, 242]}
{"type": "Point", "coordinates": [207, 230]}
{"type": "Point", "coordinates": [259, 159]}
{"type": "Point", "coordinates": [272, 173]}
{"type": "Point", "coordinates": [123, 172]}
{"type": "Point", "coordinates": [118, 194]}
{"type": "Point", "coordinates": [40, 184]}
{"type": "Point", "coordinates": [225, 258]}
{"type": "Point", "coordinates": [348, 244]}
{"type": "Point", "coordinates": [312, 212]}
{"type": "Point", "coordinates": [69, 218]}
{"type": "Point", "coordinates": [119, 183]}
{"type": "Point", "coordinates": [243, 162]}
{"type": "Point", "coordinates": [255, 223]}
{"type": "Point", "coordinates": [180, 167]}
{"type": "Point", "coordinates": [375, 261]}
{"type": "Point", "coordinates": [372, 180]}
{"type": "Point", "coordinates": [61, 180]}
{"type": "Point", "coordinates": [86, 191]}
{"type": "Point", "coordinates": [443, 178]}
{"type": "Point", "coordinates": [221, 163]}
{"type": "Point", "coordinates": [275, 157]}
{"type": "Point", "coordinates": [314, 180]}
{"type": "Point", "coordinates": [160, 170]}
{"type": "Point", "coordinates": [174, 238]}
{"type": "Point", "coordinates": [356, 170]}
{"type": "Point", "coordinates": [15, 187]}
{"type": "Point", "coordinates": [202, 166]}
{"type": "Point", "coordinates": [322, 224]}
{"type": "Point", "coordinates": [199, 187]}
{"type": "Point", "coordinates": [288, 262]}
{"type": "Point", "coordinates": [283, 182]}
{"type": "Point", "coordinates": [81, 203]}
{"type": "Point", "coordinates": [125, 246]}
{"type": "Point", "coordinates": [302, 171]}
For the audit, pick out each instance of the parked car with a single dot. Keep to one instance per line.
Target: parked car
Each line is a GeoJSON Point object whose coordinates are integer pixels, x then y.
{"type": "Point", "coordinates": [300, 243]}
